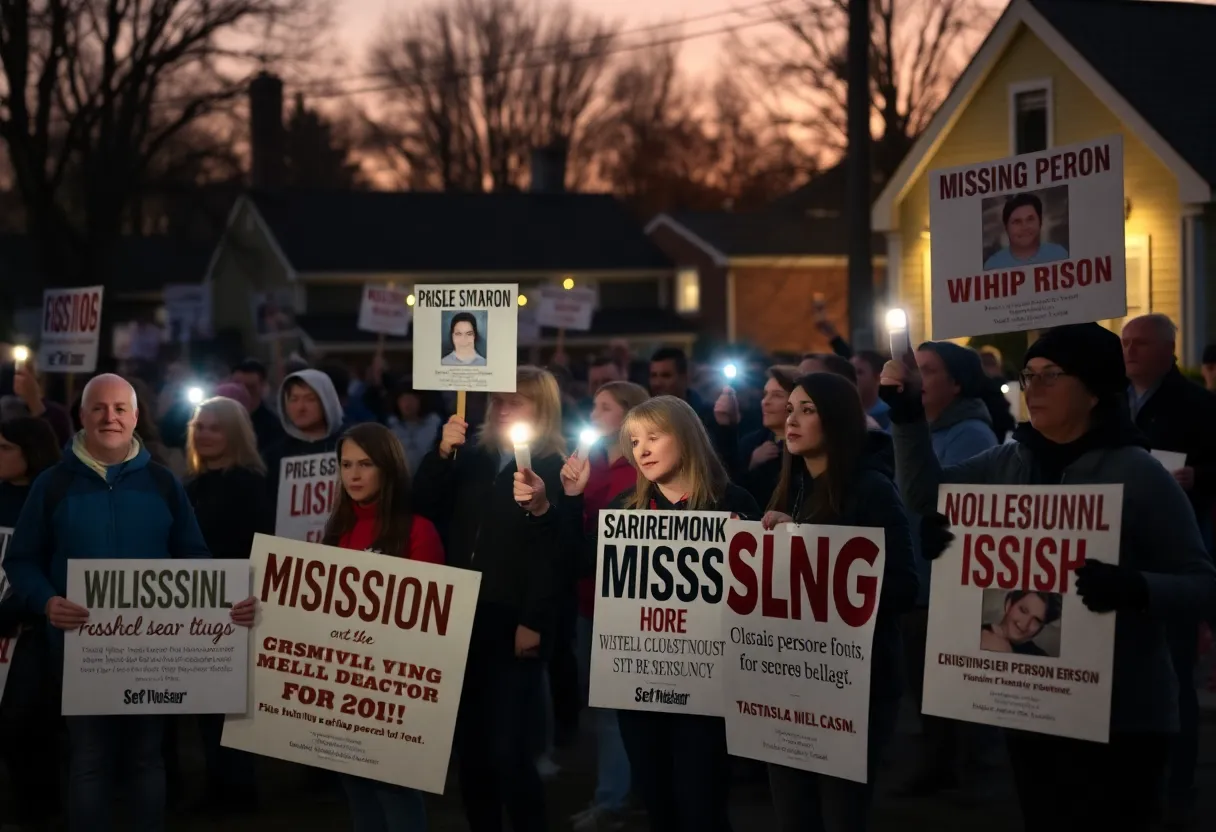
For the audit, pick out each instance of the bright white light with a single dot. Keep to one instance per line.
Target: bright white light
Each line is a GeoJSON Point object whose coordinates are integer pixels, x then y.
{"type": "Point", "coordinates": [897, 319]}
{"type": "Point", "coordinates": [194, 395]}
{"type": "Point", "coordinates": [520, 433]}
{"type": "Point", "coordinates": [21, 354]}
{"type": "Point", "coordinates": [588, 437]}
{"type": "Point", "coordinates": [410, 300]}
{"type": "Point", "coordinates": [730, 371]}
{"type": "Point", "coordinates": [1005, 389]}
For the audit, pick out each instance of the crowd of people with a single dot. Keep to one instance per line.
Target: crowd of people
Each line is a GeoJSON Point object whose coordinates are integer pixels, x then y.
{"type": "Point", "coordinates": [839, 438]}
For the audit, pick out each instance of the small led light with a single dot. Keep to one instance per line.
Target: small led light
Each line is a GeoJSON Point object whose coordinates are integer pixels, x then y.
{"type": "Point", "coordinates": [897, 319]}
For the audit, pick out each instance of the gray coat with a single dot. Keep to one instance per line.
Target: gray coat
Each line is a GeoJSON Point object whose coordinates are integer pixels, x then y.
{"type": "Point", "coordinates": [1159, 537]}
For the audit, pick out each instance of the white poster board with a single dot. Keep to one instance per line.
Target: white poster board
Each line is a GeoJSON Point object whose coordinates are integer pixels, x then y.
{"type": "Point", "coordinates": [1029, 242]}
{"type": "Point", "coordinates": [71, 329]}
{"type": "Point", "coordinates": [274, 314]}
{"type": "Point", "coordinates": [159, 639]}
{"type": "Point", "coordinates": [384, 310]}
{"type": "Point", "coordinates": [465, 337]}
{"type": "Point", "coordinates": [1172, 460]}
{"type": "Point", "coordinates": [358, 661]}
{"type": "Point", "coordinates": [8, 646]}
{"type": "Point", "coordinates": [656, 642]}
{"type": "Point", "coordinates": [569, 309]}
{"type": "Point", "coordinates": [308, 488]}
{"type": "Point", "coordinates": [1009, 641]}
{"type": "Point", "coordinates": [188, 311]}
{"type": "Point", "coordinates": [799, 616]}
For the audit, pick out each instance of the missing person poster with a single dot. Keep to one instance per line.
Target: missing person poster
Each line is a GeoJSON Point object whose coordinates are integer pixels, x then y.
{"type": "Point", "coordinates": [358, 662]}
{"type": "Point", "coordinates": [159, 639]}
{"type": "Point", "coordinates": [465, 337]}
{"type": "Point", "coordinates": [656, 642]}
{"type": "Point", "coordinates": [384, 310]}
{"type": "Point", "coordinates": [8, 645]}
{"type": "Point", "coordinates": [1009, 641]}
{"type": "Point", "coordinates": [308, 488]}
{"type": "Point", "coordinates": [71, 329]}
{"type": "Point", "coordinates": [1028, 242]}
{"type": "Point", "coordinates": [801, 602]}
{"type": "Point", "coordinates": [569, 309]}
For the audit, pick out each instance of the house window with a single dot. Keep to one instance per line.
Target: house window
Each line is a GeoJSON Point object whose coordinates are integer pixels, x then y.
{"type": "Point", "coordinates": [688, 291]}
{"type": "Point", "coordinates": [1030, 117]}
{"type": "Point", "coordinates": [1139, 276]}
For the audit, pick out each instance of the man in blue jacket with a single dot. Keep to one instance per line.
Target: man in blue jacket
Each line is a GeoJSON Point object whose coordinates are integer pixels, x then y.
{"type": "Point", "coordinates": [106, 499]}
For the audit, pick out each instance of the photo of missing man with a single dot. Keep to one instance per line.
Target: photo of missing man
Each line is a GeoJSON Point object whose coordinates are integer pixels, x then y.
{"type": "Point", "coordinates": [464, 338]}
{"type": "Point", "coordinates": [1025, 229]}
{"type": "Point", "coordinates": [1022, 622]}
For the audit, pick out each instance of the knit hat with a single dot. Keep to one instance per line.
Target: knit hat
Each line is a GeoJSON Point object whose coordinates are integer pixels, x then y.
{"type": "Point", "coordinates": [962, 363]}
{"type": "Point", "coordinates": [1090, 352]}
{"type": "Point", "coordinates": [236, 392]}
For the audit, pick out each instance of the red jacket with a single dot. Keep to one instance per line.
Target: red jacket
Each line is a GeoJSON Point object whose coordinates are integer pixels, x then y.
{"type": "Point", "coordinates": [603, 486]}
{"type": "Point", "coordinates": [425, 544]}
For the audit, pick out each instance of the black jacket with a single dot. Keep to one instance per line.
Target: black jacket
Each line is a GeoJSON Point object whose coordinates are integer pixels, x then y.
{"type": "Point", "coordinates": [266, 426]}
{"type": "Point", "coordinates": [471, 502]}
{"type": "Point", "coordinates": [231, 506]}
{"type": "Point", "coordinates": [761, 480]}
{"type": "Point", "coordinates": [1180, 417]}
{"type": "Point", "coordinates": [288, 447]}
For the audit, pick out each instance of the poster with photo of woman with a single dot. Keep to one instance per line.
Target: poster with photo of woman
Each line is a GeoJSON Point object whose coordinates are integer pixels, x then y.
{"type": "Point", "coordinates": [465, 337]}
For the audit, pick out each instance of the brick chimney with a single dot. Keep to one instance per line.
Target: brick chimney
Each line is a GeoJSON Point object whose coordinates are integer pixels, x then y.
{"type": "Point", "coordinates": [266, 134]}
{"type": "Point", "coordinates": [548, 169]}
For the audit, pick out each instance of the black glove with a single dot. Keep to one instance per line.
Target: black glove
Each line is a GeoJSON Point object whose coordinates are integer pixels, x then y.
{"type": "Point", "coordinates": [935, 535]}
{"type": "Point", "coordinates": [1104, 587]}
{"type": "Point", "coordinates": [906, 406]}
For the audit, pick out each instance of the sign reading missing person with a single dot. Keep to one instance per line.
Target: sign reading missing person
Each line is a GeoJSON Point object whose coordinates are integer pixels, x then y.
{"type": "Point", "coordinates": [1029, 242]}
{"type": "Point", "coordinates": [465, 337]}
{"type": "Point", "coordinates": [1009, 641]}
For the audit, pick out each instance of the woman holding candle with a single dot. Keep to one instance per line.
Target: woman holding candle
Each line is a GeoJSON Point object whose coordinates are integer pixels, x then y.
{"type": "Point", "coordinates": [829, 477]}
{"type": "Point", "coordinates": [679, 761]}
{"type": "Point", "coordinates": [467, 489]}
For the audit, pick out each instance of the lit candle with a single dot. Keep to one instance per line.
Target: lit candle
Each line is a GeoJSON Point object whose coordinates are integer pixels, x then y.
{"type": "Point", "coordinates": [586, 438]}
{"type": "Point", "coordinates": [20, 356]}
{"type": "Point", "coordinates": [520, 434]}
{"type": "Point", "coordinates": [899, 339]}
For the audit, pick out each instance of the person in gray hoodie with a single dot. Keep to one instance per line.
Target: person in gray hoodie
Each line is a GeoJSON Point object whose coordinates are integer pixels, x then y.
{"type": "Point", "coordinates": [311, 413]}
{"type": "Point", "coordinates": [1080, 433]}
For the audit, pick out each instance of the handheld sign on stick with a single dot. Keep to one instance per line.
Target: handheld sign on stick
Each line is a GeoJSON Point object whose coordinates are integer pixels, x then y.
{"type": "Point", "coordinates": [520, 434]}
{"type": "Point", "coordinates": [586, 439]}
{"type": "Point", "coordinates": [900, 339]}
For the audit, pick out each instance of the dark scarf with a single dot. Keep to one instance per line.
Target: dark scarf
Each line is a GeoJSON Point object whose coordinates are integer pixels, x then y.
{"type": "Point", "coordinates": [1112, 428]}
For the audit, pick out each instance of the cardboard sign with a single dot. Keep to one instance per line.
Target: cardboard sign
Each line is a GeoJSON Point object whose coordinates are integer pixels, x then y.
{"type": "Point", "coordinates": [188, 311]}
{"type": "Point", "coordinates": [159, 639]}
{"type": "Point", "coordinates": [800, 610]}
{"type": "Point", "coordinates": [1009, 641]}
{"type": "Point", "coordinates": [71, 329]}
{"type": "Point", "coordinates": [656, 642]}
{"type": "Point", "coordinates": [8, 646]}
{"type": "Point", "coordinates": [570, 309]}
{"type": "Point", "coordinates": [358, 663]}
{"type": "Point", "coordinates": [465, 337]}
{"type": "Point", "coordinates": [274, 314]}
{"type": "Point", "coordinates": [308, 488]}
{"type": "Point", "coordinates": [1028, 242]}
{"type": "Point", "coordinates": [385, 311]}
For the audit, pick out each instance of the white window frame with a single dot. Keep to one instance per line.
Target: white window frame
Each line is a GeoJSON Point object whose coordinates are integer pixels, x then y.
{"type": "Point", "coordinates": [1043, 85]}
{"type": "Point", "coordinates": [683, 276]}
{"type": "Point", "coordinates": [1141, 245]}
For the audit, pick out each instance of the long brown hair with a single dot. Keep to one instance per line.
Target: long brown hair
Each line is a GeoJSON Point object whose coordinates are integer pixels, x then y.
{"type": "Point", "coordinates": [36, 440]}
{"type": "Point", "coordinates": [539, 387]}
{"type": "Point", "coordinates": [842, 420]}
{"type": "Point", "coordinates": [699, 463]}
{"type": "Point", "coordinates": [394, 504]}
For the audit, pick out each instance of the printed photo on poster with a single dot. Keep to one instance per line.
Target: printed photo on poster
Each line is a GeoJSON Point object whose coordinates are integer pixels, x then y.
{"type": "Point", "coordinates": [465, 336]}
{"type": "Point", "coordinates": [1021, 621]}
{"type": "Point", "coordinates": [1028, 242]}
{"type": "Point", "coordinates": [1025, 229]}
{"type": "Point", "coordinates": [358, 662]}
{"type": "Point", "coordinates": [1009, 642]}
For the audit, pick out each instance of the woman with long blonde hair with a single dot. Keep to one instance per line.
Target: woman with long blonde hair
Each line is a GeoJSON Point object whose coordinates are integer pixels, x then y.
{"type": "Point", "coordinates": [679, 761]}
{"type": "Point", "coordinates": [226, 484]}
{"type": "Point", "coordinates": [467, 489]}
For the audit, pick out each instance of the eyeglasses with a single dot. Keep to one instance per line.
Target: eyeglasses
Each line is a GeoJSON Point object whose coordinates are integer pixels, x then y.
{"type": "Point", "coordinates": [1047, 377]}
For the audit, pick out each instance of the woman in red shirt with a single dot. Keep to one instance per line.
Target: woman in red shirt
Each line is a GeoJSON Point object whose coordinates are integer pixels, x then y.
{"type": "Point", "coordinates": [373, 514]}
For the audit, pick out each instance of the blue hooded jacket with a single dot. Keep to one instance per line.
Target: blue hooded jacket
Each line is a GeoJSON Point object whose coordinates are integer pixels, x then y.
{"type": "Point", "coordinates": [122, 516]}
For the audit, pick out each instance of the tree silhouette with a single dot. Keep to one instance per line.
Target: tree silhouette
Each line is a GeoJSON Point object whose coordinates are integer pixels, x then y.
{"type": "Point", "coordinates": [315, 157]}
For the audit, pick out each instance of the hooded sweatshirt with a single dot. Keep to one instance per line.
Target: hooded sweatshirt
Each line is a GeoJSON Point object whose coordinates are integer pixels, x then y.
{"type": "Point", "coordinates": [295, 443]}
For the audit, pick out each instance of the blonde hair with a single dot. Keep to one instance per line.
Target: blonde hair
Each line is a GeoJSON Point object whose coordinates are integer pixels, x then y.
{"type": "Point", "coordinates": [699, 463]}
{"type": "Point", "coordinates": [625, 393]}
{"type": "Point", "coordinates": [238, 429]}
{"type": "Point", "coordinates": [539, 387]}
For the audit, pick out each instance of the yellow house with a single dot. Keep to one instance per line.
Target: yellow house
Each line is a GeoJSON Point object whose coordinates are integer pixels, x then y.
{"type": "Point", "coordinates": [1054, 72]}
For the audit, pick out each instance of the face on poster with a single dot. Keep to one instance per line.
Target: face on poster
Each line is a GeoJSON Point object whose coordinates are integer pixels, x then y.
{"type": "Point", "coordinates": [71, 328]}
{"type": "Point", "coordinates": [465, 337]}
{"type": "Point", "coordinates": [308, 489]}
{"type": "Point", "coordinates": [1009, 641]}
{"type": "Point", "coordinates": [358, 662]}
{"type": "Point", "coordinates": [801, 604]}
{"type": "Point", "coordinates": [1027, 242]}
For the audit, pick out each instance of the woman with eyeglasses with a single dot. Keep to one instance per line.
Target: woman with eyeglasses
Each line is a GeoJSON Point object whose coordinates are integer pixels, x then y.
{"type": "Point", "coordinates": [1080, 433]}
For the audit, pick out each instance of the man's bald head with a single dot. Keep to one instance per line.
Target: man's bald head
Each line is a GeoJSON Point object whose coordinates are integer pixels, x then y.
{"type": "Point", "coordinates": [110, 387]}
{"type": "Point", "coordinates": [108, 411]}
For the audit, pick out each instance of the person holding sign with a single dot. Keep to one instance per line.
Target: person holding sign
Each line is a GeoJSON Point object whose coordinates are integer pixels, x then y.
{"type": "Point", "coordinates": [468, 491]}
{"type": "Point", "coordinates": [374, 514]}
{"type": "Point", "coordinates": [29, 710]}
{"type": "Point", "coordinates": [1079, 433]}
{"type": "Point", "coordinates": [679, 761]}
{"type": "Point", "coordinates": [311, 412]}
{"type": "Point", "coordinates": [828, 478]}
